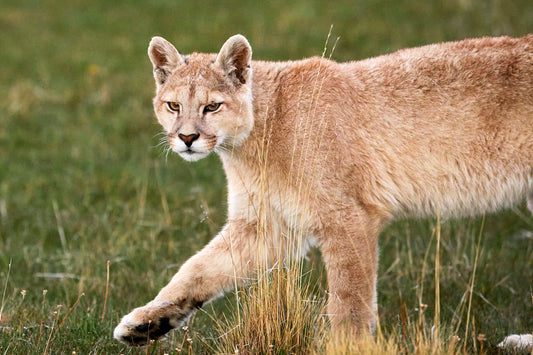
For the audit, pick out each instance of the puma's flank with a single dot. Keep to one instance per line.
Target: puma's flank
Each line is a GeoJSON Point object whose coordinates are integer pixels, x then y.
{"type": "Point", "coordinates": [335, 151]}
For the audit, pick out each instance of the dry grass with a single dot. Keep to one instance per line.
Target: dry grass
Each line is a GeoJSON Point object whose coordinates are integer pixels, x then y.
{"type": "Point", "coordinates": [277, 314]}
{"type": "Point", "coordinates": [280, 314]}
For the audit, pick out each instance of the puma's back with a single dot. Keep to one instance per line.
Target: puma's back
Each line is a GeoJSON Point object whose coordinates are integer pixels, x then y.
{"type": "Point", "coordinates": [447, 127]}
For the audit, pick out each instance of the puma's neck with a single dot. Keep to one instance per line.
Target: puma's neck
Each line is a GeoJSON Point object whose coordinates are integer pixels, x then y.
{"type": "Point", "coordinates": [277, 89]}
{"type": "Point", "coordinates": [265, 87]}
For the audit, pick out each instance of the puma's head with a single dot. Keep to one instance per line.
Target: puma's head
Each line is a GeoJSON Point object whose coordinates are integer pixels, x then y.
{"type": "Point", "coordinates": [203, 101]}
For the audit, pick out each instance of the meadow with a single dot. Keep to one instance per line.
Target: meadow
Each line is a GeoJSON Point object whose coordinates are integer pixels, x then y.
{"type": "Point", "coordinates": [95, 217]}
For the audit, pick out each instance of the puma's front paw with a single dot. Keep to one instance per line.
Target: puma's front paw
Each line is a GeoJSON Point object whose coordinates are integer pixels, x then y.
{"type": "Point", "coordinates": [150, 322]}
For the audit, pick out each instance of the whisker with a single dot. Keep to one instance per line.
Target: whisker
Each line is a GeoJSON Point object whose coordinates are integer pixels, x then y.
{"type": "Point", "coordinates": [168, 150]}
{"type": "Point", "coordinates": [161, 133]}
{"type": "Point", "coordinates": [163, 145]}
{"type": "Point", "coordinates": [163, 139]}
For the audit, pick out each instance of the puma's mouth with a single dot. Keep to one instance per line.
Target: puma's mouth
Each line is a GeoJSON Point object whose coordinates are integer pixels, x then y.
{"type": "Point", "coordinates": [192, 155]}
{"type": "Point", "coordinates": [189, 153]}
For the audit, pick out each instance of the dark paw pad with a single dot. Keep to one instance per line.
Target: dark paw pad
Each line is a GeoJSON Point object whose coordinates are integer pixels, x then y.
{"type": "Point", "coordinates": [143, 333]}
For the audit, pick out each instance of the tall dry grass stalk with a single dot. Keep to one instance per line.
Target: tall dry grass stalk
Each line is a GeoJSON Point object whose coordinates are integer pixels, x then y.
{"type": "Point", "coordinates": [106, 290]}
{"type": "Point", "coordinates": [2, 304]}
{"type": "Point", "coordinates": [471, 283]}
{"type": "Point", "coordinates": [436, 320]}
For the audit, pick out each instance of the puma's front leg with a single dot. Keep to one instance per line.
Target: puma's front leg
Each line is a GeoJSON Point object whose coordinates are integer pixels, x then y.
{"type": "Point", "coordinates": [350, 255]}
{"type": "Point", "coordinates": [227, 259]}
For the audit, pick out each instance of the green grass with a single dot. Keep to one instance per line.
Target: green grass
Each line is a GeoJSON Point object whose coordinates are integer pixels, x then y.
{"type": "Point", "coordinates": [83, 181]}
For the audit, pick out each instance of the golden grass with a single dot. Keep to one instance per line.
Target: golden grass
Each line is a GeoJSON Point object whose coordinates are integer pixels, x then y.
{"type": "Point", "coordinates": [279, 314]}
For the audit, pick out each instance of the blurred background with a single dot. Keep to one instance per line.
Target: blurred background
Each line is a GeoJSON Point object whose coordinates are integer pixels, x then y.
{"type": "Point", "coordinates": [84, 178]}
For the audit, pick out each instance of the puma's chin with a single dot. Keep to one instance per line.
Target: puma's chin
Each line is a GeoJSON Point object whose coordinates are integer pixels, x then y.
{"type": "Point", "coordinates": [191, 155]}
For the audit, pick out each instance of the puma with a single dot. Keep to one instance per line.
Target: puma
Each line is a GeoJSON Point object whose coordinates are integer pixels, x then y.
{"type": "Point", "coordinates": [332, 152]}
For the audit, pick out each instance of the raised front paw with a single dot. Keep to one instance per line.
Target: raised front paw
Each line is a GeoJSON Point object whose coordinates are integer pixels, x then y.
{"type": "Point", "coordinates": [150, 322]}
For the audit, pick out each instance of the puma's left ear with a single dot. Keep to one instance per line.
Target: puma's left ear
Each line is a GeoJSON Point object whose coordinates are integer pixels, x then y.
{"type": "Point", "coordinates": [235, 58]}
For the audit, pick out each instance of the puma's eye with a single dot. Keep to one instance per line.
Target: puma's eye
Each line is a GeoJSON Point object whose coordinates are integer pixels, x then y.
{"type": "Point", "coordinates": [212, 107]}
{"type": "Point", "coordinates": [173, 106]}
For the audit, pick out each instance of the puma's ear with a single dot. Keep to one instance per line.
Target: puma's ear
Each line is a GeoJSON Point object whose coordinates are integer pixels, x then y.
{"type": "Point", "coordinates": [164, 58]}
{"type": "Point", "coordinates": [235, 58]}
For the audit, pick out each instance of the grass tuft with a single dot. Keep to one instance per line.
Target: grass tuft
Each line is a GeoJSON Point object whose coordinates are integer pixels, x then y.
{"type": "Point", "coordinates": [277, 314]}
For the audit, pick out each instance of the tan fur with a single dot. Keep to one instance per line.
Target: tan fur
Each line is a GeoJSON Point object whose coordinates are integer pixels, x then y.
{"type": "Point", "coordinates": [336, 151]}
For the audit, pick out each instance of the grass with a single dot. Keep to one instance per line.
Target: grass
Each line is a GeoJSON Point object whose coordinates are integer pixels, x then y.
{"type": "Point", "coordinates": [82, 182]}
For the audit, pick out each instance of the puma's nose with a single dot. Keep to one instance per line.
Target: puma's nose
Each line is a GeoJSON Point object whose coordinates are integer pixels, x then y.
{"type": "Point", "coordinates": [188, 139]}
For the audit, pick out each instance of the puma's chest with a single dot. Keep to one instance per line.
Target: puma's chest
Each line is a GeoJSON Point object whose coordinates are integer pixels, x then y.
{"type": "Point", "coordinates": [267, 198]}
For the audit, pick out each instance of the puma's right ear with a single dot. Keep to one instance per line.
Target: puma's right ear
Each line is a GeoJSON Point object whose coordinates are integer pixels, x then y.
{"type": "Point", "coordinates": [164, 58]}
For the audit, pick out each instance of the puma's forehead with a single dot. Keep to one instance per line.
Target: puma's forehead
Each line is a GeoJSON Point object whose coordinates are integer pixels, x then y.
{"type": "Point", "coordinates": [193, 92]}
{"type": "Point", "coordinates": [198, 62]}
{"type": "Point", "coordinates": [199, 71]}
